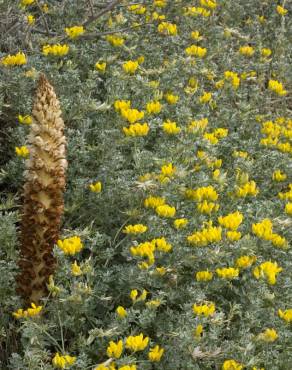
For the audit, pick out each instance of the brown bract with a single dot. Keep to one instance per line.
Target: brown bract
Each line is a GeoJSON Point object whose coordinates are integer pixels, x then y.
{"type": "Point", "coordinates": [43, 194]}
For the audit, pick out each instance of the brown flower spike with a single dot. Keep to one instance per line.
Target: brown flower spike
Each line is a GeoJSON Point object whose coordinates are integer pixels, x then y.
{"type": "Point", "coordinates": [43, 194]}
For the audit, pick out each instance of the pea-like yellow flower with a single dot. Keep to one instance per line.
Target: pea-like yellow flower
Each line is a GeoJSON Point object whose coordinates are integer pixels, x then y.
{"type": "Point", "coordinates": [202, 193]}
{"type": "Point", "coordinates": [196, 51]}
{"type": "Point", "coordinates": [130, 66]}
{"type": "Point", "coordinates": [244, 262]}
{"type": "Point", "coordinates": [205, 98]}
{"type": "Point", "coordinates": [26, 120]}
{"type": "Point", "coordinates": [137, 129]}
{"type": "Point", "coordinates": [22, 151]}
{"type": "Point", "coordinates": [233, 78]}
{"type": "Point", "coordinates": [204, 275]}
{"type": "Point", "coordinates": [264, 230]}
{"type": "Point", "coordinates": [153, 107]}
{"type": "Point", "coordinates": [269, 335]}
{"type": "Point", "coordinates": [197, 11]}
{"type": "Point", "coordinates": [76, 269]}
{"type": "Point", "coordinates": [137, 343]}
{"type": "Point", "coordinates": [267, 270]}
{"type": "Point", "coordinates": [232, 221]}
{"type": "Point", "coordinates": [159, 3]}
{"type": "Point", "coordinates": [100, 66]}
{"type": "Point", "coordinates": [248, 189]}
{"type": "Point", "coordinates": [63, 362]}
{"type": "Point", "coordinates": [195, 35]}
{"type": "Point", "coordinates": [246, 50]}
{"type": "Point", "coordinates": [116, 41]}
{"type": "Point", "coordinates": [286, 315]}
{"type": "Point", "coordinates": [137, 9]}
{"type": "Point", "coordinates": [165, 211]}
{"type": "Point", "coordinates": [171, 98]}
{"type": "Point", "coordinates": [161, 271]}
{"type": "Point", "coordinates": [266, 52]}
{"type": "Point", "coordinates": [233, 235]}
{"type": "Point", "coordinates": [121, 312]}
{"type": "Point", "coordinates": [153, 202]}
{"type": "Point", "coordinates": [132, 115]}
{"type": "Point", "coordinates": [14, 60]}
{"type": "Point", "coordinates": [171, 128]}
{"type": "Point", "coordinates": [288, 209]}
{"type": "Point", "coordinates": [180, 223]}
{"type": "Point", "coordinates": [115, 349]}
{"type": "Point", "coordinates": [206, 310]}
{"type": "Point", "coordinates": [74, 32]}
{"type": "Point", "coordinates": [135, 229]}
{"type": "Point", "coordinates": [30, 312]}
{"type": "Point", "coordinates": [227, 273]}
{"type": "Point", "coordinates": [120, 105]}
{"type": "Point", "coordinates": [206, 236]}
{"type": "Point", "coordinates": [96, 187]}
{"type": "Point", "coordinates": [167, 28]}
{"type": "Point", "coordinates": [30, 19]}
{"type": "Point", "coordinates": [211, 4]}
{"type": "Point", "coordinates": [71, 245]}
{"type": "Point", "coordinates": [281, 10]}
{"type": "Point", "coordinates": [279, 176]}
{"type": "Point", "coordinates": [207, 207]}
{"type": "Point", "coordinates": [161, 245]}
{"type": "Point", "coordinates": [155, 354]}
{"type": "Point", "coordinates": [232, 365]}
{"type": "Point", "coordinates": [56, 50]}
{"type": "Point", "coordinates": [277, 87]}
{"type": "Point", "coordinates": [26, 2]}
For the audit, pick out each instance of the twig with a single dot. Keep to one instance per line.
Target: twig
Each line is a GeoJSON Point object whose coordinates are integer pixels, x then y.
{"type": "Point", "coordinates": [43, 18]}
{"type": "Point", "coordinates": [102, 12]}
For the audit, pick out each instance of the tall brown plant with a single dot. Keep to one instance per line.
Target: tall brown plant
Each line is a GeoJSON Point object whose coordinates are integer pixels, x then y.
{"type": "Point", "coordinates": [43, 194]}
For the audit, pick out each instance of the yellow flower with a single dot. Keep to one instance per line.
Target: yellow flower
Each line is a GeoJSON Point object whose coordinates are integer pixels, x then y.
{"type": "Point", "coordinates": [154, 303]}
{"type": "Point", "coordinates": [115, 40]}
{"type": "Point", "coordinates": [264, 230]}
{"type": "Point", "coordinates": [165, 211]}
{"type": "Point", "coordinates": [27, 120]}
{"type": "Point", "coordinates": [232, 221]}
{"type": "Point", "coordinates": [233, 235]}
{"type": "Point", "coordinates": [122, 105]}
{"type": "Point", "coordinates": [121, 312]}
{"type": "Point", "coordinates": [45, 8]}
{"type": "Point", "coordinates": [126, 367]}
{"type": "Point", "coordinates": [219, 84]}
{"type": "Point", "coordinates": [14, 60]}
{"type": "Point", "coordinates": [135, 229]}
{"type": "Point", "coordinates": [180, 223]}
{"type": "Point", "coordinates": [207, 207]}
{"type": "Point", "coordinates": [277, 87]}
{"type": "Point", "coordinates": [30, 19]}
{"type": "Point", "coordinates": [159, 3]}
{"type": "Point", "coordinates": [206, 236]}
{"type": "Point", "coordinates": [131, 115]}
{"type": "Point", "coordinates": [30, 312]}
{"type": "Point", "coordinates": [212, 4]}
{"type": "Point", "coordinates": [233, 78]}
{"type": "Point", "coordinates": [286, 315]}
{"type": "Point", "coordinates": [198, 125]}
{"type": "Point", "coordinates": [161, 270]}
{"type": "Point", "coordinates": [153, 107]}
{"type": "Point", "coordinates": [204, 276]}
{"type": "Point", "coordinates": [227, 273]}
{"type": "Point", "coordinates": [137, 343]}
{"type": "Point", "coordinates": [26, 2]}
{"type": "Point", "coordinates": [196, 51]}
{"type": "Point", "coordinates": [136, 129]}
{"type": "Point", "coordinates": [171, 98]}
{"type": "Point", "coordinates": [195, 35]}
{"type": "Point", "coordinates": [63, 362]}
{"type": "Point", "coordinates": [96, 188]}
{"type": "Point", "coordinates": [161, 245]}
{"type": "Point", "coordinates": [232, 365]}
{"type": "Point", "coordinates": [281, 10]}
{"type": "Point", "coordinates": [56, 49]}
{"type": "Point", "coordinates": [100, 66]}
{"type": "Point", "coordinates": [71, 245]}
{"type": "Point", "coordinates": [137, 9]}
{"type": "Point", "coordinates": [22, 151]}
{"type": "Point", "coordinates": [204, 192]}
{"type": "Point", "coordinates": [205, 98]}
{"type": "Point", "coordinates": [171, 128]}
{"type": "Point", "coordinates": [75, 269]}
{"type": "Point", "coordinates": [74, 32]}
{"type": "Point", "coordinates": [249, 188]}
{"type": "Point", "coordinates": [115, 349]}
{"type": "Point", "coordinates": [269, 335]}
{"type": "Point", "coordinates": [245, 261]}
{"type": "Point", "coordinates": [153, 202]}
{"type": "Point", "coordinates": [266, 52]}
{"type": "Point", "coordinates": [288, 208]}
{"type": "Point", "coordinates": [130, 66]}
{"type": "Point", "coordinates": [246, 50]}
{"type": "Point", "coordinates": [199, 331]}
{"type": "Point", "coordinates": [195, 11]}
{"type": "Point", "coordinates": [267, 270]}
{"type": "Point", "coordinates": [167, 28]}
{"type": "Point", "coordinates": [155, 354]}
{"type": "Point", "coordinates": [134, 294]}
{"type": "Point", "coordinates": [205, 309]}
{"type": "Point", "coordinates": [279, 176]}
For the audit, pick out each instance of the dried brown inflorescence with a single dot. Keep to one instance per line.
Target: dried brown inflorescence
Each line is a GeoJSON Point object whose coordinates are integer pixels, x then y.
{"type": "Point", "coordinates": [43, 194]}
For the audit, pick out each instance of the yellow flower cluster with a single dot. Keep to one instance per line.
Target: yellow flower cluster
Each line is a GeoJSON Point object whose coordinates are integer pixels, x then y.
{"type": "Point", "coordinates": [14, 60]}
{"type": "Point", "coordinates": [165, 211]}
{"type": "Point", "coordinates": [279, 176]}
{"type": "Point", "coordinates": [264, 230]}
{"type": "Point", "coordinates": [207, 207]}
{"type": "Point", "coordinates": [246, 50]}
{"type": "Point", "coordinates": [167, 171]}
{"type": "Point", "coordinates": [63, 362]}
{"type": "Point", "coordinates": [198, 125]}
{"type": "Point", "coordinates": [286, 315]}
{"type": "Point", "coordinates": [196, 51]}
{"type": "Point", "coordinates": [137, 9]}
{"type": "Point", "coordinates": [269, 335]}
{"type": "Point", "coordinates": [100, 66]}
{"type": "Point", "coordinates": [232, 221]}
{"type": "Point", "coordinates": [96, 188]}
{"type": "Point", "coordinates": [267, 270]}
{"type": "Point", "coordinates": [22, 151]}
{"type": "Point", "coordinates": [195, 11]}
{"type": "Point", "coordinates": [244, 262]}
{"type": "Point", "coordinates": [202, 193]}
{"type": "Point", "coordinates": [155, 354]}
{"type": "Point", "coordinates": [205, 98]}
{"type": "Point", "coordinates": [153, 107]}
{"type": "Point", "coordinates": [248, 189]}
{"type": "Point", "coordinates": [154, 202]}
{"type": "Point", "coordinates": [233, 78]}
{"type": "Point", "coordinates": [211, 4]}
{"type": "Point", "coordinates": [180, 223]}
{"type": "Point", "coordinates": [288, 209]}
{"type": "Point", "coordinates": [121, 312]}
{"type": "Point", "coordinates": [204, 309]}
{"type": "Point", "coordinates": [71, 245]}
{"type": "Point", "coordinates": [171, 98]}
{"type": "Point", "coordinates": [26, 2]}
{"type": "Point", "coordinates": [227, 272]}
{"type": "Point", "coordinates": [135, 229]}
{"type": "Point", "coordinates": [30, 312]}
{"type": "Point", "coordinates": [232, 365]}
{"type": "Point", "coordinates": [206, 236]}
{"type": "Point", "coordinates": [281, 10]}
{"type": "Point", "coordinates": [115, 40]}
{"type": "Point", "coordinates": [204, 276]}
{"type": "Point", "coordinates": [56, 49]}
{"type": "Point", "coordinates": [115, 349]}
{"type": "Point", "coordinates": [171, 128]}
{"type": "Point", "coordinates": [277, 87]}
{"type": "Point", "coordinates": [74, 32]}
{"type": "Point", "coordinates": [136, 129]}
{"type": "Point", "coordinates": [287, 195]}
{"type": "Point", "coordinates": [167, 28]}
{"type": "Point", "coordinates": [137, 343]}
{"type": "Point", "coordinates": [26, 120]}
{"type": "Point", "coordinates": [147, 249]}
{"type": "Point", "coordinates": [134, 295]}
{"type": "Point", "coordinates": [30, 19]}
{"type": "Point", "coordinates": [131, 66]}
{"type": "Point", "coordinates": [76, 269]}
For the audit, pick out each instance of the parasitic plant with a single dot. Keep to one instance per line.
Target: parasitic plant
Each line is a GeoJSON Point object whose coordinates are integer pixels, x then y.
{"type": "Point", "coordinates": [43, 194]}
